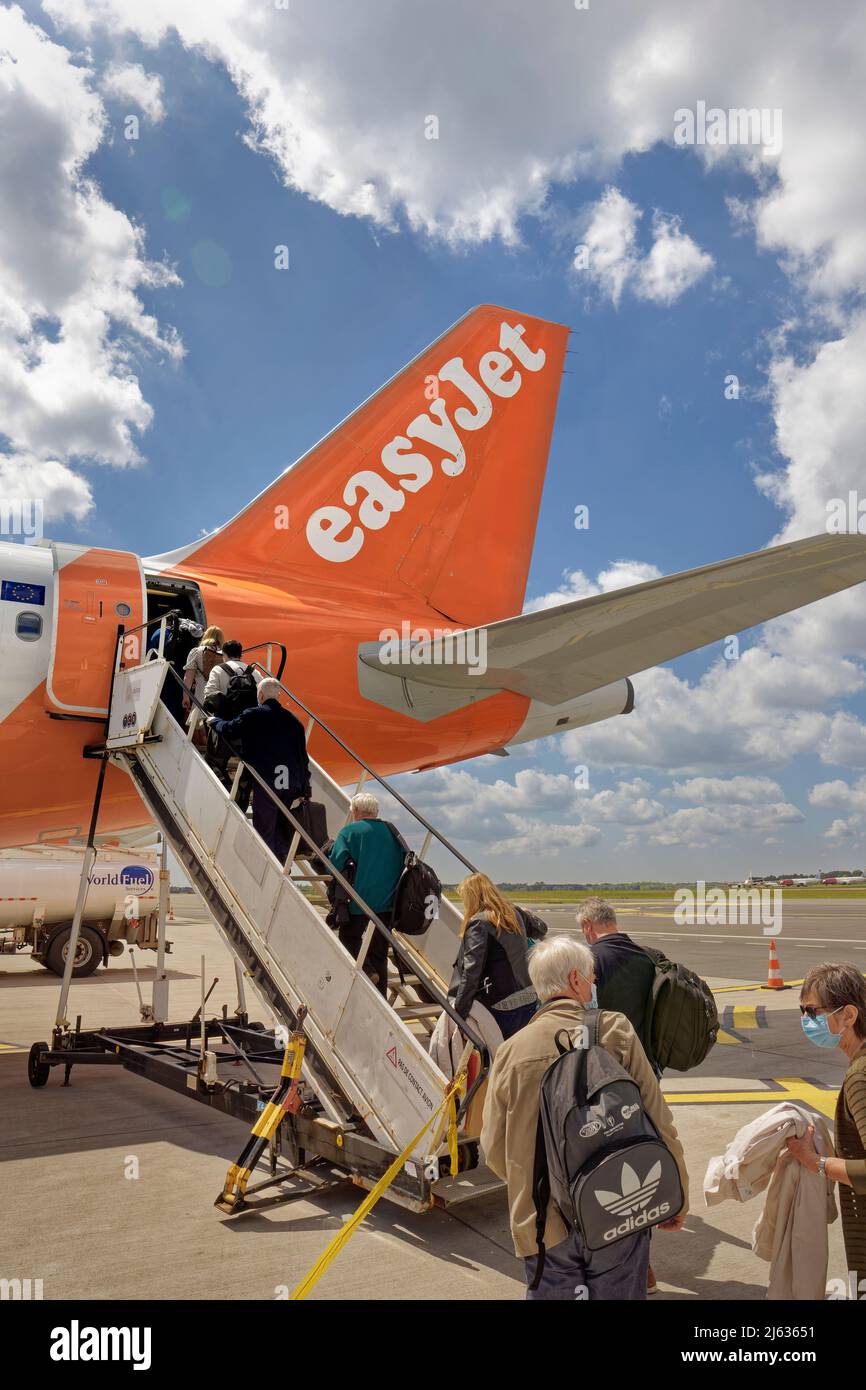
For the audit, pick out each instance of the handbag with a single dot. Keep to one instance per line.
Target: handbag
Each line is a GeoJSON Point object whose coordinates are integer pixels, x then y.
{"type": "Point", "coordinates": [314, 819]}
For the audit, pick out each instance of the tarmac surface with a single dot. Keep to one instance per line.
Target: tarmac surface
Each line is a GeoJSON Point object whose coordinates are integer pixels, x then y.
{"type": "Point", "coordinates": [109, 1183]}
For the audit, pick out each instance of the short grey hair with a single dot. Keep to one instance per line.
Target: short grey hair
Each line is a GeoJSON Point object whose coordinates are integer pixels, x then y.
{"type": "Point", "coordinates": [269, 689]}
{"type": "Point", "coordinates": [552, 961]}
{"type": "Point", "coordinates": [598, 911]}
{"type": "Point", "coordinates": [365, 806]}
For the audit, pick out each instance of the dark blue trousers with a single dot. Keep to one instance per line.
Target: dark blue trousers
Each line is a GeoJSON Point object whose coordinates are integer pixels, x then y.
{"type": "Point", "coordinates": [573, 1272]}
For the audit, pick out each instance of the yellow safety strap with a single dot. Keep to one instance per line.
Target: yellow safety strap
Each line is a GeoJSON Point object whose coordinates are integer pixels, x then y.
{"type": "Point", "coordinates": [294, 1056]}
{"type": "Point", "coordinates": [447, 1112]}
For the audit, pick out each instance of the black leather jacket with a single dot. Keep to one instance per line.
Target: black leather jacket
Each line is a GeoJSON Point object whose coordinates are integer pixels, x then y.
{"type": "Point", "coordinates": [492, 966]}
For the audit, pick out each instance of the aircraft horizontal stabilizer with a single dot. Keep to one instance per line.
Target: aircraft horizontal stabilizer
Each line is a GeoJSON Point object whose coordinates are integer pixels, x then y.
{"type": "Point", "coordinates": [559, 653]}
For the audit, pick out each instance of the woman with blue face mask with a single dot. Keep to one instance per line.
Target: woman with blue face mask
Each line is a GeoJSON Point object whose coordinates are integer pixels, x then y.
{"type": "Point", "coordinates": [833, 1015]}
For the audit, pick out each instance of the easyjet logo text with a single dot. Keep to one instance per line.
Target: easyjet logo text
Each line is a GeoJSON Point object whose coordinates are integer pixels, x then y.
{"type": "Point", "coordinates": [338, 533]}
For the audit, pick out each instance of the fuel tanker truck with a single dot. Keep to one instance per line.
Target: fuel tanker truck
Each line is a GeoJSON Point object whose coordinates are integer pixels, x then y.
{"type": "Point", "coordinates": [38, 892]}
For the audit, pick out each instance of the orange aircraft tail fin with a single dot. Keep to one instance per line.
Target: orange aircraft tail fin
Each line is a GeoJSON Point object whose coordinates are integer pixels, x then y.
{"type": "Point", "coordinates": [429, 490]}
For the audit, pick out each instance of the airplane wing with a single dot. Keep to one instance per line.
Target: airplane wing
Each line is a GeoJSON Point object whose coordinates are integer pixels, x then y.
{"type": "Point", "coordinates": [559, 653]}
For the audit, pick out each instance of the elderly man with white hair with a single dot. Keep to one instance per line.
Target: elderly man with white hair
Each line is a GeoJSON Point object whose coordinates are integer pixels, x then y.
{"type": "Point", "coordinates": [561, 970]}
{"type": "Point", "coordinates": [271, 741]}
{"type": "Point", "coordinates": [371, 845]}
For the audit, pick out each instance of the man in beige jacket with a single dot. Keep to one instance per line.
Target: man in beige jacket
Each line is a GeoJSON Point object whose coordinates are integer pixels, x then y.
{"type": "Point", "coordinates": [561, 970]}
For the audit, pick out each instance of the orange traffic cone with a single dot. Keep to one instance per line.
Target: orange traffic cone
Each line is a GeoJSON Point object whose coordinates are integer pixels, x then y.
{"type": "Point", "coordinates": [774, 971]}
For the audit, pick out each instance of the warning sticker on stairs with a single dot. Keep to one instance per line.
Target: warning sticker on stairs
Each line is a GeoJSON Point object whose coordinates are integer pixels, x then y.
{"type": "Point", "coordinates": [397, 1061]}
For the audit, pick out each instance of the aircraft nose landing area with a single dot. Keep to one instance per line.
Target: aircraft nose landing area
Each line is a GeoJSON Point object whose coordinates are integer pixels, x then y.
{"type": "Point", "coordinates": [114, 1178]}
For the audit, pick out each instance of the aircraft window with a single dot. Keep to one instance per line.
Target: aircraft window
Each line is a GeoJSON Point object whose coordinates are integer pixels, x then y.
{"type": "Point", "coordinates": [28, 626]}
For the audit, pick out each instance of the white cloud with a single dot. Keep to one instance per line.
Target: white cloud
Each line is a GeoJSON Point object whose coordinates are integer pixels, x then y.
{"type": "Point", "coordinates": [546, 838]}
{"type": "Point", "coordinates": [673, 264]}
{"type": "Point", "coordinates": [576, 585]}
{"type": "Point", "coordinates": [701, 826]}
{"type": "Point", "coordinates": [820, 412]}
{"type": "Point", "coordinates": [844, 741]}
{"type": "Point", "coordinates": [613, 261]}
{"type": "Point", "coordinates": [609, 238]}
{"type": "Point", "coordinates": [726, 807]}
{"type": "Point", "coordinates": [538, 812]}
{"type": "Point", "coordinates": [130, 82]}
{"type": "Point", "coordinates": [626, 804]}
{"type": "Point", "coordinates": [61, 491]}
{"type": "Point", "coordinates": [840, 796]}
{"type": "Point", "coordinates": [727, 790]}
{"type": "Point", "coordinates": [527, 95]}
{"type": "Point", "coordinates": [71, 266]}
{"type": "Point", "coordinates": [765, 709]}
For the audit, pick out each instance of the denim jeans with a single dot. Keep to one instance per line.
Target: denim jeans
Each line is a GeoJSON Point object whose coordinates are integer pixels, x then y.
{"type": "Point", "coordinates": [573, 1272]}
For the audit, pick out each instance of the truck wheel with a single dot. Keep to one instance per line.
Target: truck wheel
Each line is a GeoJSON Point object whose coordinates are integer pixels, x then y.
{"type": "Point", "coordinates": [88, 953]}
{"type": "Point", "coordinates": [37, 1071]}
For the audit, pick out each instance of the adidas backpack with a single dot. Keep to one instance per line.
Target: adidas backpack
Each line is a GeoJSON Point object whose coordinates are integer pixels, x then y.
{"type": "Point", "coordinates": [598, 1155]}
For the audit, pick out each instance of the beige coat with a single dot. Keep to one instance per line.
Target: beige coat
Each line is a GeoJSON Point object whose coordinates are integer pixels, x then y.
{"type": "Point", "coordinates": [511, 1108]}
{"type": "Point", "coordinates": [447, 1042]}
{"type": "Point", "coordinates": [791, 1232]}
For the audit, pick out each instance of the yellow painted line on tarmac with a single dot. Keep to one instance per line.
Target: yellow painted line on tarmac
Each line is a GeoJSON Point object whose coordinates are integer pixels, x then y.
{"type": "Point", "coordinates": [725, 1037]}
{"type": "Point", "coordinates": [744, 1017]}
{"type": "Point", "coordinates": [733, 989]}
{"type": "Point", "coordinates": [793, 1087]}
{"type": "Point", "coordinates": [12, 1047]}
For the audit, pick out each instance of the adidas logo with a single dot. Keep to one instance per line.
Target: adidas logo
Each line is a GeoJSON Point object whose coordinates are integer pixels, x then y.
{"type": "Point", "coordinates": [636, 1223]}
{"type": "Point", "coordinates": [634, 1197]}
{"type": "Point", "coordinates": [635, 1194]}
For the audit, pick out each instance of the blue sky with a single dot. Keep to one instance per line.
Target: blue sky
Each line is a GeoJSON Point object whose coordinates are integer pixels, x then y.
{"type": "Point", "coordinates": [644, 435]}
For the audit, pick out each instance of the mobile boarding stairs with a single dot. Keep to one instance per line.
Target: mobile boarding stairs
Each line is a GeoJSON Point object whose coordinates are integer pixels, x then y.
{"type": "Point", "coordinates": [343, 1081]}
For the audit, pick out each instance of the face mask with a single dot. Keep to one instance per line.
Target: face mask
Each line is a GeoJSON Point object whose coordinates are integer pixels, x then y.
{"type": "Point", "coordinates": [593, 998]}
{"type": "Point", "coordinates": [817, 1030]}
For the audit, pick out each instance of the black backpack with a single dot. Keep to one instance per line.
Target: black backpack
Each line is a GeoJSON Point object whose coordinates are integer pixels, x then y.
{"type": "Point", "coordinates": [684, 1020]}
{"type": "Point", "coordinates": [418, 892]}
{"type": "Point", "coordinates": [241, 693]}
{"type": "Point", "coordinates": [536, 928]}
{"type": "Point", "coordinates": [597, 1152]}
{"type": "Point", "coordinates": [181, 637]}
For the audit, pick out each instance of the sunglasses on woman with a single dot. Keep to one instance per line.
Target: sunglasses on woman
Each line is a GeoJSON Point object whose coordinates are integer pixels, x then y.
{"type": "Point", "coordinates": [810, 1011]}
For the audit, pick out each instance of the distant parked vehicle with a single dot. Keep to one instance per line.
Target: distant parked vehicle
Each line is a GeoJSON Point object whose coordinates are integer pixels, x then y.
{"type": "Point", "coordinates": [38, 892]}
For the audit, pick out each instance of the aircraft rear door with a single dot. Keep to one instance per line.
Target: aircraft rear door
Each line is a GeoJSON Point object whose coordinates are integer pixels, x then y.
{"type": "Point", "coordinates": [94, 591]}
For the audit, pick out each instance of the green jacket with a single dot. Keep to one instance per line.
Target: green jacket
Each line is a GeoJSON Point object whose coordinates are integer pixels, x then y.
{"type": "Point", "coordinates": [379, 861]}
